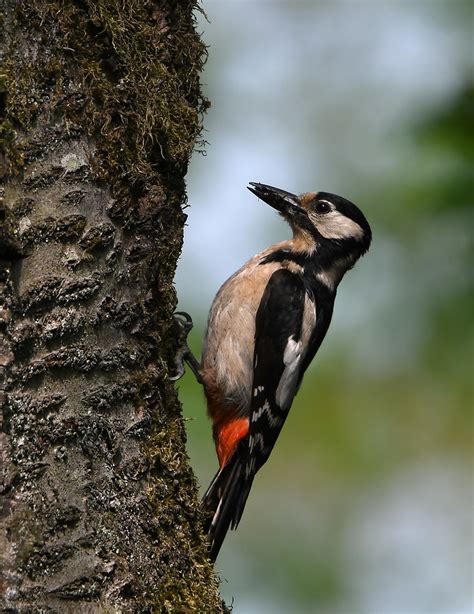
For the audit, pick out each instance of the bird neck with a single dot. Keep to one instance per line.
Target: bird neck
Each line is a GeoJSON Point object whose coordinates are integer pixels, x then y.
{"type": "Point", "coordinates": [323, 259]}
{"type": "Point", "coordinates": [302, 242]}
{"type": "Point", "coordinates": [331, 275]}
{"type": "Point", "coordinates": [321, 262]}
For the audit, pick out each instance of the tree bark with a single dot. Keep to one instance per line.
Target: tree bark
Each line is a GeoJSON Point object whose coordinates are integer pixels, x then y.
{"type": "Point", "coordinates": [101, 109]}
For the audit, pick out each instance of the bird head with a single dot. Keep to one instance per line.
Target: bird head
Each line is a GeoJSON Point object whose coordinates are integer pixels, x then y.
{"type": "Point", "coordinates": [325, 224]}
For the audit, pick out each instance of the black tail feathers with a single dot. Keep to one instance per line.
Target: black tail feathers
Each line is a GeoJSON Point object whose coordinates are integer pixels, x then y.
{"type": "Point", "coordinates": [225, 501]}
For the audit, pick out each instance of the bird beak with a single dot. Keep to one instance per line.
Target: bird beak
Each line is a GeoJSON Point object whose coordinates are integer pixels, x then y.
{"type": "Point", "coordinates": [284, 202]}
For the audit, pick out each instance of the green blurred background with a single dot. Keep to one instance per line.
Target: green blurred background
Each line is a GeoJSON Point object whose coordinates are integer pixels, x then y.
{"type": "Point", "coordinates": [366, 503]}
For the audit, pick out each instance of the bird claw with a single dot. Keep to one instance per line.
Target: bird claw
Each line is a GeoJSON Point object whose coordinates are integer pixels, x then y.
{"type": "Point", "coordinates": [184, 320]}
{"type": "Point", "coordinates": [183, 325]}
{"type": "Point", "coordinates": [179, 372]}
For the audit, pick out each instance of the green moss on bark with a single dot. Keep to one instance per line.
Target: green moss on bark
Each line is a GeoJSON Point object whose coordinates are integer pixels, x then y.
{"type": "Point", "coordinates": [136, 85]}
{"type": "Point", "coordinates": [103, 109]}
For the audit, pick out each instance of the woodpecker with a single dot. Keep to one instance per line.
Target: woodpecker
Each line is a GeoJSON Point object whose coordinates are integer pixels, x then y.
{"type": "Point", "coordinates": [265, 325]}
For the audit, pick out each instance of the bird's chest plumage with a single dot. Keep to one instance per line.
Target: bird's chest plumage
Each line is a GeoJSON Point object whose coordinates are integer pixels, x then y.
{"type": "Point", "coordinates": [227, 359]}
{"type": "Point", "coordinates": [229, 344]}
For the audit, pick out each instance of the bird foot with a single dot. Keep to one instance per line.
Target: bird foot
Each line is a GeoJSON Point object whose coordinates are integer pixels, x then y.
{"type": "Point", "coordinates": [183, 325]}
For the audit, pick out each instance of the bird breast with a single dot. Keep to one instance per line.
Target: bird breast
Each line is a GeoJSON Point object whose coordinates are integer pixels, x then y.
{"type": "Point", "coordinates": [227, 360]}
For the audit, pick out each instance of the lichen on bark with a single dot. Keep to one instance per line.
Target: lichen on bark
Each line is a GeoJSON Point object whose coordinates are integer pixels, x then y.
{"type": "Point", "coordinates": [101, 109]}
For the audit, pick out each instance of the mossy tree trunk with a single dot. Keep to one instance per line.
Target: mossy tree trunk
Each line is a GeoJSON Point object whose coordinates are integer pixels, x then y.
{"type": "Point", "coordinates": [101, 109]}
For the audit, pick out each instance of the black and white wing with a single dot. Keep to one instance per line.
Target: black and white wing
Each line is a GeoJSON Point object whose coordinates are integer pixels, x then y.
{"type": "Point", "coordinates": [287, 335]}
{"type": "Point", "coordinates": [285, 322]}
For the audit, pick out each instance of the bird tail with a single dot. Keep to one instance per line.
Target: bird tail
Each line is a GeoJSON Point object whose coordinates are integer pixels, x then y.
{"type": "Point", "coordinates": [225, 500]}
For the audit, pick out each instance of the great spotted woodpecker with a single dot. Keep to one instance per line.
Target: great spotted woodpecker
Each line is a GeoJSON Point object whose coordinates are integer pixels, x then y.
{"type": "Point", "coordinates": [265, 325]}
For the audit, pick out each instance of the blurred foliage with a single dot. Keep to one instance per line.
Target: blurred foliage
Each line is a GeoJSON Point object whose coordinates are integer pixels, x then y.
{"type": "Point", "coordinates": [443, 142]}
{"type": "Point", "coordinates": [447, 135]}
{"type": "Point", "coordinates": [450, 129]}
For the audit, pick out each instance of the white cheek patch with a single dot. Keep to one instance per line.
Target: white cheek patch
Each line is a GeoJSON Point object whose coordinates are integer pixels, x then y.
{"type": "Point", "coordinates": [334, 225]}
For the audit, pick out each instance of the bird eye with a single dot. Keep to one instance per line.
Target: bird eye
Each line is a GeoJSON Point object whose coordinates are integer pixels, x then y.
{"type": "Point", "coordinates": [322, 206]}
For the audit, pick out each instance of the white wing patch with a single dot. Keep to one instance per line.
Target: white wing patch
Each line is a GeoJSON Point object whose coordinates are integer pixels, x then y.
{"type": "Point", "coordinates": [292, 351]}
{"type": "Point", "coordinates": [293, 355]}
{"type": "Point", "coordinates": [291, 359]}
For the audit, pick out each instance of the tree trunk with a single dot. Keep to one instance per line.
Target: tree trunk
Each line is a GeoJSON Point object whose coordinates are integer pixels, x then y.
{"type": "Point", "coordinates": [101, 106]}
